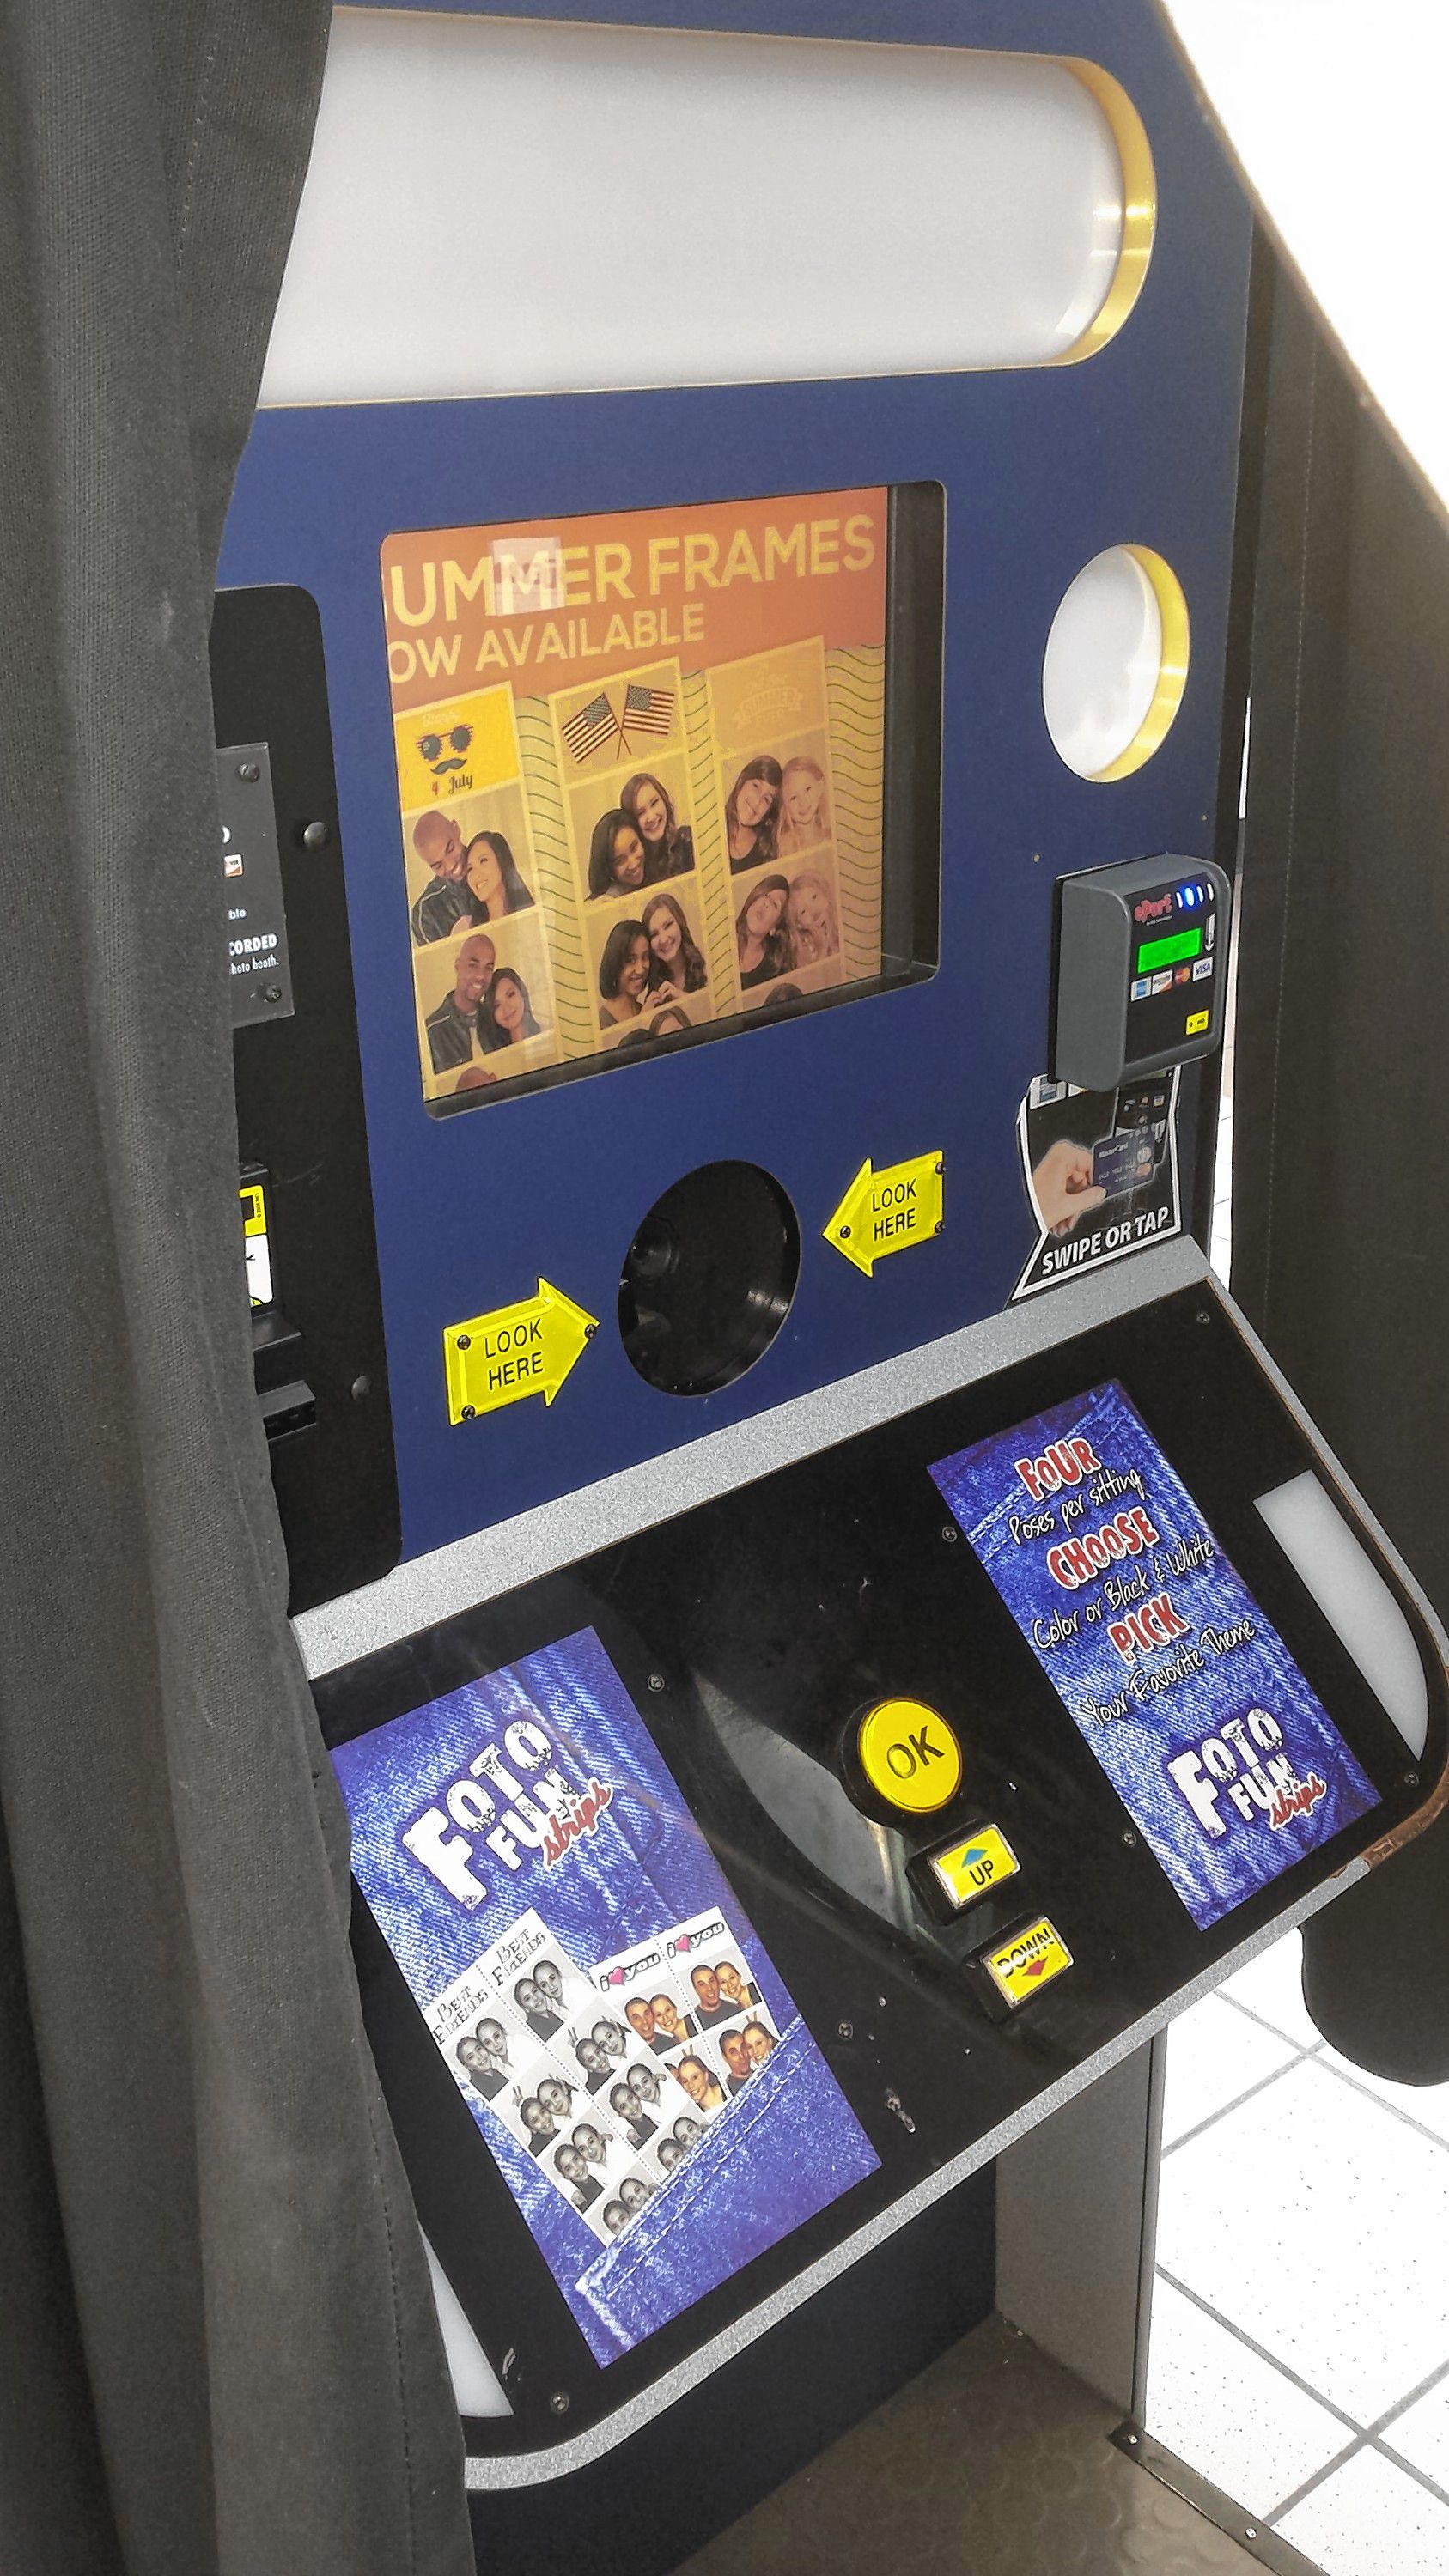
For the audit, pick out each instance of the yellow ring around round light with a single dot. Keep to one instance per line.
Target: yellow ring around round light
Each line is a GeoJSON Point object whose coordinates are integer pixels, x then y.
{"type": "Point", "coordinates": [910, 1756]}
{"type": "Point", "coordinates": [1167, 697]}
{"type": "Point", "coordinates": [1139, 207]}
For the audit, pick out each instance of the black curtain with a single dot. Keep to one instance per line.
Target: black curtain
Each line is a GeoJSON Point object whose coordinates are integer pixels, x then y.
{"type": "Point", "coordinates": [217, 2344]}
{"type": "Point", "coordinates": [1341, 1129]}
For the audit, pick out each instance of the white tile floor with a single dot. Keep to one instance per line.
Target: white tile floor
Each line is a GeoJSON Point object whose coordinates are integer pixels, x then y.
{"type": "Point", "coordinates": [1300, 2335]}
{"type": "Point", "coordinates": [1299, 2355]}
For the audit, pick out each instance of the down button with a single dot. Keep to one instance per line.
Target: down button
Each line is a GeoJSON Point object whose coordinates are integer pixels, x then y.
{"type": "Point", "coordinates": [909, 1755]}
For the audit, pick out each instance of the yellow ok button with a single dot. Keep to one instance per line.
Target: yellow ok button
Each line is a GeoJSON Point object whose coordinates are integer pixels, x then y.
{"type": "Point", "coordinates": [909, 1755]}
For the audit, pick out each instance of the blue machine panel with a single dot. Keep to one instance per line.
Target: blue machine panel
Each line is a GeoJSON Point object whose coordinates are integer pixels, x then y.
{"type": "Point", "coordinates": [1041, 469]}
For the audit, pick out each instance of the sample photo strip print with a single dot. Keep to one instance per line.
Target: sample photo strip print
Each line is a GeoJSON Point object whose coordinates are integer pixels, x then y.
{"type": "Point", "coordinates": [634, 832]}
{"type": "Point", "coordinates": [484, 988]}
{"type": "Point", "coordinates": [741, 2048]}
{"type": "Point", "coordinates": [557, 1951]}
{"type": "Point", "coordinates": [536, 2108]}
{"type": "Point", "coordinates": [531, 1958]}
{"type": "Point", "coordinates": [485, 1005]}
{"type": "Point", "coordinates": [644, 1982]}
{"type": "Point", "coordinates": [593, 713]}
{"type": "Point", "coordinates": [487, 2056]}
{"type": "Point", "coordinates": [649, 964]}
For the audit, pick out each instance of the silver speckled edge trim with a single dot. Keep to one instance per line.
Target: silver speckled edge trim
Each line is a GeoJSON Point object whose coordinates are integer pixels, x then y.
{"type": "Point", "coordinates": [535, 2468]}
{"type": "Point", "coordinates": [454, 1578]}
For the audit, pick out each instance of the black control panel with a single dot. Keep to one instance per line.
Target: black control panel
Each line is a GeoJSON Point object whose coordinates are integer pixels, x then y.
{"type": "Point", "coordinates": [306, 1227]}
{"type": "Point", "coordinates": [1003, 1723]}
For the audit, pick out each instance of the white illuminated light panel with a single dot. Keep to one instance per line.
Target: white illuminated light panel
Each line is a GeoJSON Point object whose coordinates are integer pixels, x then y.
{"type": "Point", "coordinates": [498, 208]}
{"type": "Point", "coordinates": [1354, 1599]}
{"type": "Point", "coordinates": [1103, 661]}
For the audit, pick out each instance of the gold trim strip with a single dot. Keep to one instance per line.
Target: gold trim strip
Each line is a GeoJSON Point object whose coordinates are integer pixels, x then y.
{"type": "Point", "coordinates": [1171, 686]}
{"type": "Point", "coordinates": [1139, 207]}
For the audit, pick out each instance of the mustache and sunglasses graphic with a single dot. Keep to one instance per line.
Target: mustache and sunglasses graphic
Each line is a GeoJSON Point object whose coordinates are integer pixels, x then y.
{"type": "Point", "coordinates": [445, 752]}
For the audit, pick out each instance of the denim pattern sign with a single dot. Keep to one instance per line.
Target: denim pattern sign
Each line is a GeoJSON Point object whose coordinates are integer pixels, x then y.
{"type": "Point", "coordinates": [1227, 1762]}
{"type": "Point", "coordinates": [629, 2052]}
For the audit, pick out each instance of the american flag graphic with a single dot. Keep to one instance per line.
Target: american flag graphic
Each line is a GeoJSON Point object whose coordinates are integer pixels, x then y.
{"type": "Point", "coordinates": [592, 725]}
{"type": "Point", "coordinates": [647, 711]}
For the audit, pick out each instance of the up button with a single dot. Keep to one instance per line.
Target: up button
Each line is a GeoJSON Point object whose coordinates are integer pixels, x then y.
{"type": "Point", "coordinates": [909, 1755]}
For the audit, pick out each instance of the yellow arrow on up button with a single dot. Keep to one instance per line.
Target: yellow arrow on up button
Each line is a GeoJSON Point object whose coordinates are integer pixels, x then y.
{"type": "Point", "coordinates": [887, 1211]}
{"type": "Point", "coordinates": [514, 1352]}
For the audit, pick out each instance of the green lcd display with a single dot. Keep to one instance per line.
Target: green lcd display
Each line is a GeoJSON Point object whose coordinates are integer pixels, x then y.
{"type": "Point", "coordinates": [1168, 952]}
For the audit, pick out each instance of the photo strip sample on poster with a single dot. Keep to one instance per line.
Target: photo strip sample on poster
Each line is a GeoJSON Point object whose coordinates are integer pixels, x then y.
{"type": "Point", "coordinates": [640, 763]}
{"type": "Point", "coordinates": [629, 2052]}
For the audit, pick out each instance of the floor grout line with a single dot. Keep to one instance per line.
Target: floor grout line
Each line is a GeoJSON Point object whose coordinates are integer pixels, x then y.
{"type": "Point", "coordinates": [1284, 2369]}
{"type": "Point", "coordinates": [1377, 2435]}
{"type": "Point", "coordinates": [1435, 2136]}
{"type": "Point", "coordinates": [1297, 2495]}
{"type": "Point", "coordinates": [1237, 2101]}
{"type": "Point", "coordinates": [1341, 2459]}
{"type": "Point", "coordinates": [1421, 2477]}
{"type": "Point", "coordinates": [1401, 2405]}
{"type": "Point", "coordinates": [1307, 2046]}
{"type": "Point", "coordinates": [1366, 2437]}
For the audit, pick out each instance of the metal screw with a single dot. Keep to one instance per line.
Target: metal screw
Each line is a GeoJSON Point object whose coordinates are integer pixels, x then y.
{"type": "Point", "coordinates": [844, 1233]}
{"type": "Point", "coordinates": [1132, 2441]}
{"type": "Point", "coordinates": [272, 993]}
{"type": "Point", "coordinates": [1251, 2531]}
{"type": "Point", "coordinates": [950, 1533]}
{"type": "Point", "coordinates": [361, 1388]}
{"type": "Point", "coordinates": [465, 1342]}
{"type": "Point", "coordinates": [558, 2404]}
{"type": "Point", "coordinates": [656, 1681]}
{"type": "Point", "coordinates": [469, 1412]}
{"type": "Point", "coordinates": [940, 1221]}
{"type": "Point", "coordinates": [1411, 1779]}
{"type": "Point", "coordinates": [940, 1171]}
{"type": "Point", "coordinates": [1130, 1839]}
{"type": "Point", "coordinates": [1203, 1316]}
{"type": "Point", "coordinates": [315, 836]}
{"type": "Point", "coordinates": [845, 2030]}
{"type": "Point", "coordinates": [249, 770]}
{"type": "Point", "coordinates": [589, 1331]}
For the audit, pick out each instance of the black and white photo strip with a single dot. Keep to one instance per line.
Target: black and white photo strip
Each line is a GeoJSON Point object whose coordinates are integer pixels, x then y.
{"type": "Point", "coordinates": [688, 1997]}
{"type": "Point", "coordinates": [524, 2034]}
{"type": "Point", "coordinates": [606, 2080]}
{"type": "Point", "coordinates": [531, 1974]}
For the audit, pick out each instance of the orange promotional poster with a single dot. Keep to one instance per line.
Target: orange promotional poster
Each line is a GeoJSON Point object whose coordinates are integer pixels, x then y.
{"type": "Point", "coordinates": [640, 764]}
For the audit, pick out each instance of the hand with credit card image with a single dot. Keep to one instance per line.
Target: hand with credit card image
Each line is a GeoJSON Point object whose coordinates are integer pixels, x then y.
{"type": "Point", "coordinates": [1064, 1186]}
{"type": "Point", "coordinates": [1123, 1162]}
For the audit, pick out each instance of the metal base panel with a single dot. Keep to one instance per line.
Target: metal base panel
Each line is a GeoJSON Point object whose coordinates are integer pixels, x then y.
{"type": "Point", "coordinates": [993, 2458]}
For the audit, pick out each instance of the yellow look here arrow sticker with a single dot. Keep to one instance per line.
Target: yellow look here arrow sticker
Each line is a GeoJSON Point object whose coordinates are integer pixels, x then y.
{"type": "Point", "coordinates": [516, 1351]}
{"type": "Point", "coordinates": [889, 1210]}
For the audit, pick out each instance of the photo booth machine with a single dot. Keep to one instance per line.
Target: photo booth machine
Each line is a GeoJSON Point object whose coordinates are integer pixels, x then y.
{"type": "Point", "coordinates": [830, 1628]}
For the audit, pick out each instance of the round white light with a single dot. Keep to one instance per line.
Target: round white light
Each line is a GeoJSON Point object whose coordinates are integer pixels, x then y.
{"type": "Point", "coordinates": [1116, 663]}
